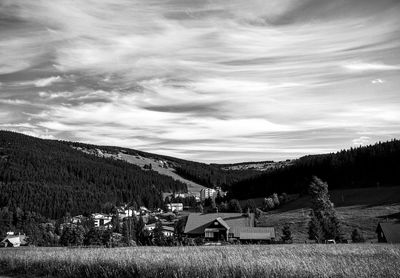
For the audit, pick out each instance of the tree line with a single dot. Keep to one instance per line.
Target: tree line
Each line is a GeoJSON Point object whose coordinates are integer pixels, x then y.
{"type": "Point", "coordinates": [369, 166]}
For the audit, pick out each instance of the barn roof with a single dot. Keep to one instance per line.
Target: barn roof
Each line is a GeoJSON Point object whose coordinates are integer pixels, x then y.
{"type": "Point", "coordinates": [256, 233]}
{"type": "Point", "coordinates": [391, 231]}
{"type": "Point", "coordinates": [197, 222]}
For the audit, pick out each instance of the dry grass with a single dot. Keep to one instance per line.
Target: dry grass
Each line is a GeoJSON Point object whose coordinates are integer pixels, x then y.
{"type": "Point", "coordinates": [368, 260]}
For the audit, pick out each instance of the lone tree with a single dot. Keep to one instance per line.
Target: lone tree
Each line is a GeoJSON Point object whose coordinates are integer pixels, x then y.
{"type": "Point", "coordinates": [324, 223]}
{"type": "Point", "coordinates": [286, 234]}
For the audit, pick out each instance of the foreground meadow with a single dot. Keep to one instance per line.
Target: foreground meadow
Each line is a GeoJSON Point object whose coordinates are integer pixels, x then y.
{"type": "Point", "coordinates": [367, 260]}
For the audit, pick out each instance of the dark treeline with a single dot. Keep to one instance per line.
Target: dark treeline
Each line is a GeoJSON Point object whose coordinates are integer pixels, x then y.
{"type": "Point", "coordinates": [212, 175]}
{"type": "Point", "coordinates": [51, 178]}
{"type": "Point", "coordinates": [369, 166]}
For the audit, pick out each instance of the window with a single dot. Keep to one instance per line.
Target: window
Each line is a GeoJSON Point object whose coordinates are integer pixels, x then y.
{"type": "Point", "coordinates": [209, 234]}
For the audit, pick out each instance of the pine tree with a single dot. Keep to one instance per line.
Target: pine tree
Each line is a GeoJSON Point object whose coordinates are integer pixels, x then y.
{"type": "Point", "coordinates": [139, 229]}
{"type": "Point", "coordinates": [315, 231]}
{"type": "Point", "coordinates": [324, 223]}
{"type": "Point", "coordinates": [158, 236]}
{"type": "Point", "coordinates": [286, 234]}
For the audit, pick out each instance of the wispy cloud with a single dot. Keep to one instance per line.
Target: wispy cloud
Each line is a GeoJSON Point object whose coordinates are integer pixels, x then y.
{"type": "Point", "coordinates": [370, 67]}
{"type": "Point", "coordinates": [47, 81]}
{"type": "Point", "coordinates": [205, 80]}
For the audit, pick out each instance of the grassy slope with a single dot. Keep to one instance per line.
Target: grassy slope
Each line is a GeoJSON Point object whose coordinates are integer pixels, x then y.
{"type": "Point", "coordinates": [364, 260]}
{"type": "Point", "coordinates": [357, 208]}
{"type": "Point", "coordinates": [141, 161]}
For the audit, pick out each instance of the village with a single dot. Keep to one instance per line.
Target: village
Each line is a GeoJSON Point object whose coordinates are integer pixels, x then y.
{"type": "Point", "coordinates": [175, 224]}
{"type": "Point", "coordinates": [194, 222]}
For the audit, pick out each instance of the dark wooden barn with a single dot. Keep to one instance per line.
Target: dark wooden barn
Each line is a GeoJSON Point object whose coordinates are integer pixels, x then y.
{"type": "Point", "coordinates": [388, 232]}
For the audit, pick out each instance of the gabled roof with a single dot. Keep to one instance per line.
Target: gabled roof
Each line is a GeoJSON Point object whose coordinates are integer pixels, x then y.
{"type": "Point", "coordinates": [223, 223]}
{"type": "Point", "coordinates": [391, 232]}
{"type": "Point", "coordinates": [197, 222]}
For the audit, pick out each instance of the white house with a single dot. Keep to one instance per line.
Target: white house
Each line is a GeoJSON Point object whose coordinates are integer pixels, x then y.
{"type": "Point", "coordinates": [166, 230]}
{"type": "Point", "coordinates": [101, 219]}
{"type": "Point", "coordinates": [122, 213]}
{"type": "Point", "coordinates": [12, 240]}
{"type": "Point", "coordinates": [174, 207]}
{"type": "Point", "coordinates": [77, 219]}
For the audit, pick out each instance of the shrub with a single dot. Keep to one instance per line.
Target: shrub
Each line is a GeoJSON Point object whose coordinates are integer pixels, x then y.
{"type": "Point", "coordinates": [357, 236]}
{"type": "Point", "coordinates": [286, 234]}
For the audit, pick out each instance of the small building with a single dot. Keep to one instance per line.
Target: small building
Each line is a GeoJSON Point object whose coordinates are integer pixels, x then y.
{"type": "Point", "coordinates": [227, 227]}
{"type": "Point", "coordinates": [254, 234]}
{"type": "Point", "coordinates": [127, 212]}
{"type": "Point", "coordinates": [78, 219]}
{"type": "Point", "coordinates": [101, 219]}
{"type": "Point", "coordinates": [12, 240]}
{"type": "Point", "coordinates": [175, 207]}
{"type": "Point", "coordinates": [166, 230]}
{"type": "Point", "coordinates": [150, 227]}
{"type": "Point", "coordinates": [388, 232]}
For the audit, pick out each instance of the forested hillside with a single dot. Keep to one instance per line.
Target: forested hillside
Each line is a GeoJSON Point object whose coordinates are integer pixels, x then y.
{"type": "Point", "coordinates": [369, 166]}
{"type": "Point", "coordinates": [212, 175]}
{"type": "Point", "coordinates": [51, 178]}
{"type": "Point", "coordinates": [209, 175]}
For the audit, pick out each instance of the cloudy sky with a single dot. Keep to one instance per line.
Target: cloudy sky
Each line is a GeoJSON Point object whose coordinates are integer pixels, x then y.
{"type": "Point", "coordinates": [212, 81]}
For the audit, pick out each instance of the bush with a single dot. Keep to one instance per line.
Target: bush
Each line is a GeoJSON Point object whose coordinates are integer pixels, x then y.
{"type": "Point", "coordinates": [286, 234]}
{"type": "Point", "coordinates": [357, 236]}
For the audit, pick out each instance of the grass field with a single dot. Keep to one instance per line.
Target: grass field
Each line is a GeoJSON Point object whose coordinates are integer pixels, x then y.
{"type": "Point", "coordinates": [347, 260]}
{"type": "Point", "coordinates": [361, 208]}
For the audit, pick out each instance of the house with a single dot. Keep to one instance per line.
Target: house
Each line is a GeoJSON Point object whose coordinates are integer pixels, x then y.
{"type": "Point", "coordinates": [166, 230]}
{"type": "Point", "coordinates": [150, 227]}
{"type": "Point", "coordinates": [227, 226]}
{"type": "Point", "coordinates": [175, 207]}
{"type": "Point", "coordinates": [206, 193]}
{"type": "Point", "coordinates": [12, 240]}
{"type": "Point", "coordinates": [143, 210]}
{"type": "Point", "coordinates": [78, 219]}
{"type": "Point", "coordinates": [127, 212]}
{"type": "Point", "coordinates": [101, 219]}
{"type": "Point", "coordinates": [388, 232]}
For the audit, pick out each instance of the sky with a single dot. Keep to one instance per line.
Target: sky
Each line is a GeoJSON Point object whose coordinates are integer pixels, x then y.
{"type": "Point", "coordinates": [211, 81]}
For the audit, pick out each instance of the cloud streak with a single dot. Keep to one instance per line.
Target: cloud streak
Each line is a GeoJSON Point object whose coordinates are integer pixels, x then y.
{"type": "Point", "coordinates": [203, 80]}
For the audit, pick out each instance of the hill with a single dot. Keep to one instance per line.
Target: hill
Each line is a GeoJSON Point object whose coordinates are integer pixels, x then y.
{"type": "Point", "coordinates": [57, 177]}
{"type": "Point", "coordinates": [143, 160]}
{"type": "Point", "coordinates": [195, 175]}
{"type": "Point", "coordinates": [361, 208]}
{"type": "Point", "coordinates": [51, 178]}
{"type": "Point", "coordinates": [369, 166]}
